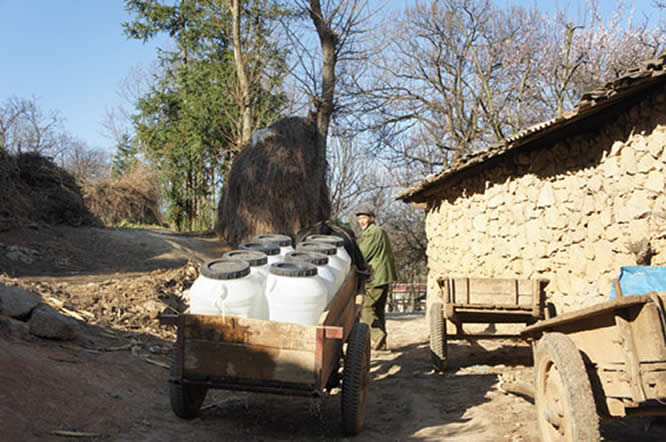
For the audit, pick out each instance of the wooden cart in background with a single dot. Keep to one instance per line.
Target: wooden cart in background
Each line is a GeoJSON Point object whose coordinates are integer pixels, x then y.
{"type": "Point", "coordinates": [607, 361]}
{"type": "Point", "coordinates": [274, 357]}
{"type": "Point", "coordinates": [481, 300]}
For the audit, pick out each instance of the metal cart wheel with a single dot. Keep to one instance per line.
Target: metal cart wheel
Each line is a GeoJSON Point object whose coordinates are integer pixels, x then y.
{"type": "Point", "coordinates": [438, 339]}
{"type": "Point", "coordinates": [564, 402]}
{"type": "Point", "coordinates": [355, 378]}
{"type": "Point", "coordinates": [186, 399]}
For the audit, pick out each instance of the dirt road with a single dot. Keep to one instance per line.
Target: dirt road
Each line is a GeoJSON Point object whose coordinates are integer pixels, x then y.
{"type": "Point", "coordinates": [110, 383]}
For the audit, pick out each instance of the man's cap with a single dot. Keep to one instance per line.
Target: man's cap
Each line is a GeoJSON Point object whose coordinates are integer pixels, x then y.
{"type": "Point", "coordinates": [365, 209]}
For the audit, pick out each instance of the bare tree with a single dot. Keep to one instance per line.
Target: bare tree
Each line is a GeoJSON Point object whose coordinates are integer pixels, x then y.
{"type": "Point", "coordinates": [25, 127]}
{"type": "Point", "coordinates": [258, 58]}
{"type": "Point", "coordinates": [463, 74]}
{"type": "Point", "coordinates": [85, 164]}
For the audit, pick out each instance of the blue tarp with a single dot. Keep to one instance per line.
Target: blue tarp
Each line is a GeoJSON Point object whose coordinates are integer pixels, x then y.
{"type": "Point", "coordinates": [637, 280]}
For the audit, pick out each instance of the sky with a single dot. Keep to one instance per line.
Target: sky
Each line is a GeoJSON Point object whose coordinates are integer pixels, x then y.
{"type": "Point", "coordinates": [71, 56]}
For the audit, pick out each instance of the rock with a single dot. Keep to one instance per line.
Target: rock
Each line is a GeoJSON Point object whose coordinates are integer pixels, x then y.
{"type": "Point", "coordinates": [546, 198]}
{"type": "Point", "coordinates": [17, 302]}
{"type": "Point", "coordinates": [627, 162]}
{"type": "Point", "coordinates": [13, 327]}
{"type": "Point", "coordinates": [47, 322]}
{"type": "Point", "coordinates": [655, 182]}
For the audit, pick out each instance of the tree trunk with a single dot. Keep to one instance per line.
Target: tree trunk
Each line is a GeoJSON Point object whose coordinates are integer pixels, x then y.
{"type": "Point", "coordinates": [324, 105]}
{"type": "Point", "coordinates": [245, 131]}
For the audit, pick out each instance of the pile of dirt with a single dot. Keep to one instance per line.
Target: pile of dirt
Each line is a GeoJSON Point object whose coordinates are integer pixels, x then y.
{"type": "Point", "coordinates": [125, 304]}
{"type": "Point", "coordinates": [133, 197]}
{"type": "Point", "coordinates": [33, 187]}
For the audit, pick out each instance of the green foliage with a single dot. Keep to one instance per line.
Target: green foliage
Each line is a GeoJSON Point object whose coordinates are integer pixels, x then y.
{"type": "Point", "coordinates": [186, 124]}
{"type": "Point", "coordinates": [125, 157]}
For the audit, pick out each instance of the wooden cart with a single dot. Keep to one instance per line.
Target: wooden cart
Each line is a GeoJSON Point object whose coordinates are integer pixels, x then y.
{"type": "Point", "coordinates": [274, 357]}
{"type": "Point", "coordinates": [481, 300]}
{"type": "Point", "coordinates": [607, 361]}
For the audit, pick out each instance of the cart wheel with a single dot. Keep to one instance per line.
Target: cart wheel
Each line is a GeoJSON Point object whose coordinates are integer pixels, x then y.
{"type": "Point", "coordinates": [564, 402]}
{"type": "Point", "coordinates": [438, 337]}
{"type": "Point", "coordinates": [355, 377]}
{"type": "Point", "coordinates": [186, 399]}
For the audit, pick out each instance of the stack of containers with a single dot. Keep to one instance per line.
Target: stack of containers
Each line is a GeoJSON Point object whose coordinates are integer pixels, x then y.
{"type": "Point", "coordinates": [295, 293]}
{"type": "Point", "coordinates": [271, 250]}
{"type": "Point", "coordinates": [283, 241]}
{"type": "Point", "coordinates": [339, 243]}
{"type": "Point", "coordinates": [226, 286]}
{"type": "Point", "coordinates": [333, 260]}
{"type": "Point", "coordinates": [324, 271]}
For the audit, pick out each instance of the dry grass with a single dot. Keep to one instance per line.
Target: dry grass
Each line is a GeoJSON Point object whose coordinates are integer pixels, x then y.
{"type": "Point", "coordinates": [33, 187]}
{"type": "Point", "coordinates": [133, 197]}
{"type": "Point", "coordinates": [276, 185]}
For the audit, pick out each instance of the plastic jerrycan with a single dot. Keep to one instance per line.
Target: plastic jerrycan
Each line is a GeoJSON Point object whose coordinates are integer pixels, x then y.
{"type": "Point", "coordinates": [294, 293]}
{"type": "Point", "coordinates": [271, 249]}
{"type": "Point", "coordinates": [226, 286]}
{"type": "Point", "coordinates": [333, 260]}
{"type": "Point", "coordinates": [283, 241]}
{"type": "Point", "coordinates": [324, 271]}
{"type": "Point", "coordinates": [339, 244]}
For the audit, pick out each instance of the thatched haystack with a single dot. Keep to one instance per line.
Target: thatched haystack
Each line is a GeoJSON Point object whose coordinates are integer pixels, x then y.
{"type": "Point", "coordinates": [276, 185]}
{"type": "Point", "coordinates": [133, 197]}
{"type": "Point", "coordinates": [33, 187]}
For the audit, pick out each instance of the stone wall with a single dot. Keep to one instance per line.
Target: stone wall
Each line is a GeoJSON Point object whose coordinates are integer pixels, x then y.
{"type": "Point", "coordinates": [565, 212]}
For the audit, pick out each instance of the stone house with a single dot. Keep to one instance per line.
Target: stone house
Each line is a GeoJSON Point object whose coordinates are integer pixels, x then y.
{"type": "Point", "coordinates": [566, 199]}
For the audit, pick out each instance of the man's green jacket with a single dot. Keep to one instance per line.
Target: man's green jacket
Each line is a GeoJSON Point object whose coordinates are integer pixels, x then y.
{"type": "Point", "coordinates": [376, 249]}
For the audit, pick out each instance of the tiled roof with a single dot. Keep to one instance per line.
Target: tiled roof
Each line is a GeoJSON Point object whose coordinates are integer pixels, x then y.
{"type": "Point", "coordinates": [647, 73]}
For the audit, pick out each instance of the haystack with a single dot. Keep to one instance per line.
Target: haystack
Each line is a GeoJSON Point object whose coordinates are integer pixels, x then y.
{"type": "Point", "coordinates": [275, 185]}
{"type": "Point", "coordinates": [33, 187]}
{"type": "Point", "coordinates": [133, 197]}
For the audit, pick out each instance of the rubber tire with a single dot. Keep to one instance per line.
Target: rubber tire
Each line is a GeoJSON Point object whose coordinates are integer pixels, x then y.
{"type": "Point", "coordinates": [186, 399]}
{"type": "Point", "coordinates": [355, 379]}
{"type": "Point", "coordinates": [438, 351]}
{"type": "Point", "coordinates": [563, 391]}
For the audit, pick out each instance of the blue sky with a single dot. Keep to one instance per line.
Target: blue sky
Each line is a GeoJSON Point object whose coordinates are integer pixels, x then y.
{"type": "Point", "coordinates": [71, 55]}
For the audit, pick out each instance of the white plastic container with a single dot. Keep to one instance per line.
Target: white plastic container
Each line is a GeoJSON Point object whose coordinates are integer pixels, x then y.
{"type": "Point", "coordinates": [272, 250]}
{"type": "Point", "coordinates": [227, 287]}
{"type": "Point", "coordinates": [295, 294]}
{"type": "Point", "coordinates": [283, 241]}
{"type": "Point", "coordinates": [339, 244]}
{"type": "Point", "coordinates": [258, 261]}
{"type": "Point", "coordinates": [333, 260]}
{"type": "Point", "coordinates": [324, 271]}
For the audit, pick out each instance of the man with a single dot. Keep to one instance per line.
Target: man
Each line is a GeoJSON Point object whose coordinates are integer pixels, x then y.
{"type": "Point", "coordinates": [376, 249]}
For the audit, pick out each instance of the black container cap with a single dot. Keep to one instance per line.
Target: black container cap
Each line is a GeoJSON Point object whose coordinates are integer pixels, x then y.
{"type": "Point", "coordinates": [336, 240]}
{"type": "Point", "coordinates": [225, 268]}
{"type": "Point", "coordinates": [293, 269]}
{"type": "Point", "coordinates": [281, 240]}
{"type": "Point", "coordinates": [316, 258]}
{"type": "Point", "coordinates": [317, 246]}
{"type": "Point", "coordinates": [253, 257]}
{"type": "Point", "coordinates": [269, 248]}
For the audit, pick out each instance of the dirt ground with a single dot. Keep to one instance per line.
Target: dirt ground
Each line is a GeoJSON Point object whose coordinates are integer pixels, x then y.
{"type": "Point", "coordinates": [110, 383]}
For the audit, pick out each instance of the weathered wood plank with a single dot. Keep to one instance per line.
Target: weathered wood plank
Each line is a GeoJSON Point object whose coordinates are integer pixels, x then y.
{"type": "Point", "coordinates": [220, 359]}
{"type": "Point", "coordinates": [258, 332]}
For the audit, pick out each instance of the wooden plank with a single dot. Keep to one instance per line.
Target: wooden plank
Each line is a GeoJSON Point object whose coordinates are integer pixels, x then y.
{"type": "Point", "coordinates": [632, 363]}
{"type": "Point", "coordinates": [258, 332]}
{"type": "Point", "coordinates": [516, 297]}
{"type": "Point", "coordinates": [345, 295]}
{"type": "Point", "coordinates": [584, 313]}
{"type": "Point", "coordinates": [649, 337]}
{"type": "Point", "coordinates": [219, 359]}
